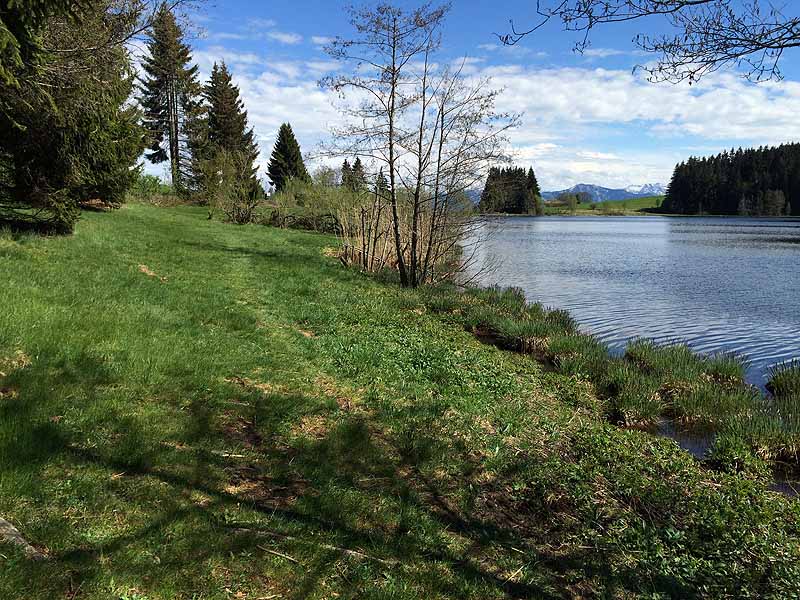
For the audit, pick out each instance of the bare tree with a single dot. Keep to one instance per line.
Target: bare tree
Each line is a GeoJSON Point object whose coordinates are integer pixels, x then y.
{"type": "Point", "coordinates": [710, 34]}
{"type": "Point", "coordinates": [388, 40]}
{"type": "Point", "coordinates": [426, 127]}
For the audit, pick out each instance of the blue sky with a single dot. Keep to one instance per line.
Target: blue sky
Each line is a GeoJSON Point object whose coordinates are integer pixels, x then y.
{"type": "Point", "coordinates": [586, 118]}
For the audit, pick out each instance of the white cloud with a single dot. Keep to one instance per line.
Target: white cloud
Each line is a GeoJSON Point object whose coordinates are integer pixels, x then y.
{"type": "Point", "coordinates": [516, 50]}
{"type": "Point", "coordinates": [285, 37]}
{"type": "Point", "coordinates": [237, 61]}
{"type": "Point", "coordinates": [223, 36]}
{"type": "Point", "coordinates": [258, 23]}
{"type": "Point", "coordinates": [722, 107]}
{"type": "Point", "coordinates": [598, 118]}
{"type": "Point", "coordinates": [580, 125]}
{"type": "Point", "coordinates": [598, 155]}
{"type": "Point", "coordinates": [602, 52]}
{"type": "Point", "coordinates": [321, 40]}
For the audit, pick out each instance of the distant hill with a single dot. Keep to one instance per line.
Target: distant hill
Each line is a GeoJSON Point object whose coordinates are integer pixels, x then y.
{"type": "Point", "coordinates": [602, 194]}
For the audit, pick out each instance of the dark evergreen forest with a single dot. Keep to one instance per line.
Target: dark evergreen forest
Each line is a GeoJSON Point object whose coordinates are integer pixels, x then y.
{"type": "Point", "coordinates": [753, 182]}
{"type": "Point", "coordinates": [511, 190]}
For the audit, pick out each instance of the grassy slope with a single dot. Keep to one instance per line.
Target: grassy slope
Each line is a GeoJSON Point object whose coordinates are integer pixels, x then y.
{"type": "Point", "coordinates": [636, 203]}
{"type": "Point", "coordinates": [179, 438]}
{"type": "Point", "coordinates": [633, 206]}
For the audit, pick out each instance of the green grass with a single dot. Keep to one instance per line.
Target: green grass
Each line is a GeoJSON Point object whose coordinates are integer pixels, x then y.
{"type": "Point", "coordinates": [784, 379]}
{"type": "Point", "coordinates": [633, 206]}
{"type": "Point", "coordinates": [190, 409]}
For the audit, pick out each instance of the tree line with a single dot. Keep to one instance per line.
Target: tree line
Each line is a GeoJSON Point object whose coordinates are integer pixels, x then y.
{"type": "Point", "coordinates": [754, 182]}
{"type": "Point", "coordinates": [70, 134]}
{"type": "Point", "coordinates": [511, 190]}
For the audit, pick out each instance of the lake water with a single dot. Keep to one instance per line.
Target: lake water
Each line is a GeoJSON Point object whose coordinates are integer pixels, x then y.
{"type": "Point", "coordinates": [719, 284]}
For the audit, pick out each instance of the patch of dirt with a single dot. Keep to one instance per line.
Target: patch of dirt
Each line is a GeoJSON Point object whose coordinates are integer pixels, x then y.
{"type": "Point", "coordinates": [306, 333]}
{"type": "Point", "coordinates": [150, 273]}
{"type": "Point", "coordinates": [97, 205]}
{"type": "Point", "coordinates": [249, 483]}
{"type": "Point", "coordinates": [312, 426]}
{"type": "Point", "coordinates": [17, 362]}
{"type": "Point", "coordinates": [249, 384]}
{"type": "Point", "coordinates": [7, 393]}
{"type": "Point", "coordinates": [330, 388]}
{"type": "Point", "coordinates": [240, 429]}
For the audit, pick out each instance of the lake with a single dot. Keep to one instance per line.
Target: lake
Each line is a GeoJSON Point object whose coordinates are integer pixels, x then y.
{"type": "Point", "coordinates": [718, 284]}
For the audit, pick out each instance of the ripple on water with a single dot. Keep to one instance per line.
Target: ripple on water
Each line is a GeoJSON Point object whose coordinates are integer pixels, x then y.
{"type": "Point", "coordinates": [720, 285]}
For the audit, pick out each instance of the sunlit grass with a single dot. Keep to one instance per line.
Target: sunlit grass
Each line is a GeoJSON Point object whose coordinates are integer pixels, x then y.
{"type": "Point", "coordinates": [184, 404]}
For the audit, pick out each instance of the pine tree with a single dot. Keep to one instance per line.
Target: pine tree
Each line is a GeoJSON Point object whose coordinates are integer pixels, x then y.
{"type": "Point", "coordinates": [532, 184]}
{"type": "Point", "coordinates": [287, 161]}
{"type": "Point", "coordinates": [21, 26]}
{"type": "Point", "coordinates": [224, 127]}
{"type": "Point", "coordinates": [170, 96]}
{"type": "Point", "coordinates": [381, 185]}
{"type": "Point", "coordinates": [359, 176]}
{"type": "Point", "coordinates": [347, 175]}
{"type": "Point", "coordinates": [80, 141]}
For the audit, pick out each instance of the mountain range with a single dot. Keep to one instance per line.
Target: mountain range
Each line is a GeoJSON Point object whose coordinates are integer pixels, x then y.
{"type": "Point", "coordinates": [601, 194]}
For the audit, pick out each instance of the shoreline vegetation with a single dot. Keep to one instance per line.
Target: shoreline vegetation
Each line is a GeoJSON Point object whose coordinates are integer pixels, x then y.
{"type": "Point", "coordinates": [294, 429]}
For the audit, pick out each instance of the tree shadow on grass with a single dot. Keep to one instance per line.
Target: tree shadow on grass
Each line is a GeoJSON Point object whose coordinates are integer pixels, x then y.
{"type": "Point", "coordinates": [351, 484]}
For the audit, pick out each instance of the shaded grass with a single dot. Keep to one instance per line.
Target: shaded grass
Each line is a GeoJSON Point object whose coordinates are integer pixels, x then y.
{"type": "Point", "coordinates": [165, 436]}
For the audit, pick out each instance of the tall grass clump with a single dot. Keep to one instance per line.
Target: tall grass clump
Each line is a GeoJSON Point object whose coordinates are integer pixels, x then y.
{"type": "Point", "coordinates": [784, 379]}
{"type": "Point", "coordinates": [709, 403]}
{"type": "Point", "coordinates": [510, 300]}
{"type": "Point", "coordinates": [674, 361]}
{"type": "Point", "coordinates": [771, 429]}
{"type": "Point", "coordinates": [633, 397]}
{"type": "Point", "coordinates": [578, 354]}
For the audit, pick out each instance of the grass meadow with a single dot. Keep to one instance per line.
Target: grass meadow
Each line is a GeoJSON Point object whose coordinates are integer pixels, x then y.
{"type": "Point", "coordinates": [196, 410]}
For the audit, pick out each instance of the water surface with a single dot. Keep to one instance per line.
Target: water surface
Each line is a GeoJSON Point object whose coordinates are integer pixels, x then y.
{"type": "Point", "coordinates": [719, 284]}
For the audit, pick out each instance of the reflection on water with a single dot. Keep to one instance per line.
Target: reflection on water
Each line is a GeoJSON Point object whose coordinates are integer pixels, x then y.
{"type": "Point", "coordinates": [719, 284]}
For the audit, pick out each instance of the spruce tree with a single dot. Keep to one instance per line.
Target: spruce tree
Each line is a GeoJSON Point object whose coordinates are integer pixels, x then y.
{"type": "Point", "coordinates": [532, 184]}
{"type": "Point", "coordinates": [82, 139]}
{"type": "Point", "coordinates": [286, 162]}
{"type": "Point", "coordinates": [225, 126]}
{"type": "Point", "coordinates": [170, 95]}
{"type": "Point", "coordinates": [359, 176]}
{"type": "Point", "coordinates": [347, 175]}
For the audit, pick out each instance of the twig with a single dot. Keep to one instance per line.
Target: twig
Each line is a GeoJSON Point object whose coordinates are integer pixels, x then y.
{"type": "Point", "coordinates": [286, 556]}
{"type": "Point", "coordinates": [514, 574]}
{"type": "Point", "coordinates": [346, 551]}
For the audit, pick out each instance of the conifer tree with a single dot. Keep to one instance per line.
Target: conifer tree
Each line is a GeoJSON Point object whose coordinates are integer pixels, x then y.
{"type": "Point", "coordinates": [287, 161]}
{"type": "Point", "coordinates": [81, 139]}
{"type": "Point", "coordinates": [359, 176]}
{"type": "Point", "coordinates": [381, 184]}
{"type": "Point", "coordinates": [347, 175]}
{"type": "Point", "coordinates": [532, 184]}
{"type": "Point", "coordinates": [225, 127]}
{"type": "Point", "coordinates": [170, 95]}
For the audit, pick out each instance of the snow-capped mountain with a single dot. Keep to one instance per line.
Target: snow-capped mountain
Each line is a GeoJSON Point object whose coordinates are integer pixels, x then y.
{"type": "Point", "coordinates": [601, 194]}
{"type": "Point", "coordinates": [648, 189]}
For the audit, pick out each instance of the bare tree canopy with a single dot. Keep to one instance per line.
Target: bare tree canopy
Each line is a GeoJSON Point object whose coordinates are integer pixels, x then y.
{"type": "Point", "coordinates": [710, 34]}
{"type": "Point", "coordinates": [428, 133]}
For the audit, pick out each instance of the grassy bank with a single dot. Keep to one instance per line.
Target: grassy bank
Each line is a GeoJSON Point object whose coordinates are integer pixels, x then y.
{"type": "Point", "coordinates": [753, 432]}
{"type": "Point", "coordinates": [196, 410]}
{"type": "Point", "coordinates": [613, 208]}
